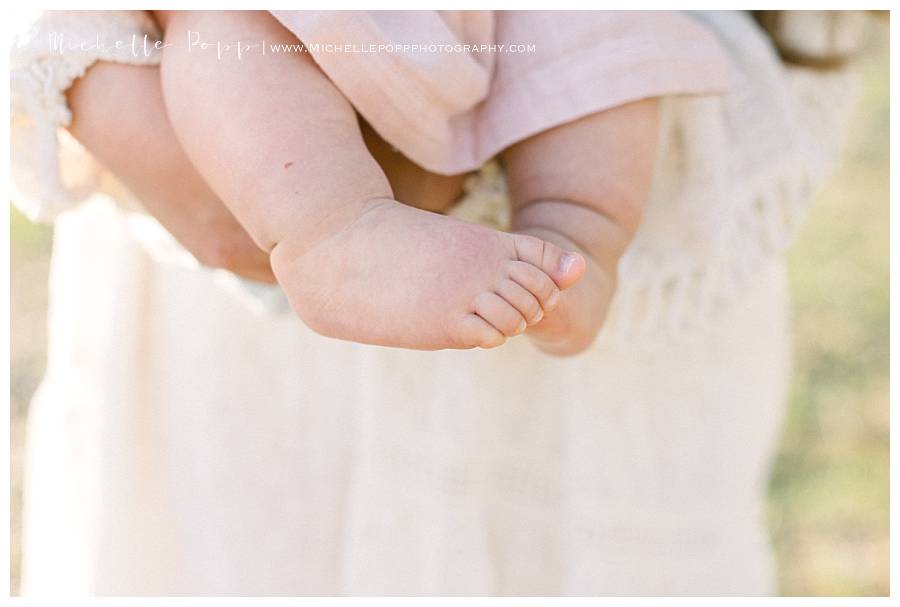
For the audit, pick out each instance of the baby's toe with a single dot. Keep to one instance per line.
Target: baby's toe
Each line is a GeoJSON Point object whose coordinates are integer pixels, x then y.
{"type": "Point", "coordinates": [564, 267]}
{"type": "Point", "coordinates": [521, 299]}
{"type": "Point", "coordinates": [536, 282]}
{"type": "Point", "coordinates": [476, 332]}
{"type": "Point", "coordinates": [499, 313]}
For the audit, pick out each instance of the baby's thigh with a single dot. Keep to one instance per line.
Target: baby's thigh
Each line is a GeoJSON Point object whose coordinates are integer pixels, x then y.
{"type": "Point", "coordinates": [216, 19]}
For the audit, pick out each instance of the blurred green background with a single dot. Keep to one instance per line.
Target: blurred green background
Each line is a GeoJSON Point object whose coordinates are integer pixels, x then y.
{"type": "Point", "coordinates": [828, 507]}
{"type": "Point", "coordinates": [829, 491]}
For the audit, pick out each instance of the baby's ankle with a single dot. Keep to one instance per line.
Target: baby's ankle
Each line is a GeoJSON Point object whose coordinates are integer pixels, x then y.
{"type": "Point", "coordinates": [304, 231]}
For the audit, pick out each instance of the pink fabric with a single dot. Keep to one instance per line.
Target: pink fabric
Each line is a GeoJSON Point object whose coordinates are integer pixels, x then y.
{"type": "Point", "coordinates": [450, 112]}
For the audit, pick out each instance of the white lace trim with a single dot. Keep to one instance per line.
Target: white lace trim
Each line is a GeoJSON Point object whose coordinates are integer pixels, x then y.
{"type": "Point", "coordinates": [47, 177]}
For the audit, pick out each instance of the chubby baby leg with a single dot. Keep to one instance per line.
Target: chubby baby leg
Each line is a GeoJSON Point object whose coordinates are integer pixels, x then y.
{"type": "Point", "coordinates": [582, 186]}
{"type": "Point", "coordinates": [118, 115]}
{"type": "Point", "coordinates": [283, 149]}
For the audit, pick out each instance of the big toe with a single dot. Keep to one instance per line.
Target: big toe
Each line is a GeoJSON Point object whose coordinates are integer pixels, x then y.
{"type": "Point", "coordinates": [569, 269]}
{"type": "Point", "coordinates": [564, 267]}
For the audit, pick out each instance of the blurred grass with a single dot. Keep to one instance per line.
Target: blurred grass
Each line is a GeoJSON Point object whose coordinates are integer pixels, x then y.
{"type": "Point", "coordinates": [829, 489]}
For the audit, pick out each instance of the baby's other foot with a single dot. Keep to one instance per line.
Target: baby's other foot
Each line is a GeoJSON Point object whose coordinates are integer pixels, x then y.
{"type": "Point", "coordinates": [399, 276]}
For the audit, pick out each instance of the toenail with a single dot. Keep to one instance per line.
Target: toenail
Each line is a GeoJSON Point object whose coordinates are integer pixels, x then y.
{"type": "Point", "coordinates": [537, 317]}
{"type": "Point", "coordinates": [521, 327]}
{"type": "Point", "coordinates": [565, 264]}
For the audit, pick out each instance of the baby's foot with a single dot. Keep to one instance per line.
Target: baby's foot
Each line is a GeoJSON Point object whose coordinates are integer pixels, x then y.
{"type": "Point", "coordinates": [399, 276]}
{"type": "Point", "coordinates": [573, 325]}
